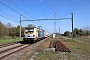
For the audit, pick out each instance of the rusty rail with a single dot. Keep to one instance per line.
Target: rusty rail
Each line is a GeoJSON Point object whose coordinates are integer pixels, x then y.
{"type": "Point", "coordinates": [8, 44]}
{"type": "Point", "coordinates": [13, 52]}
{"type": "Point", "coordinates": [61, 47]}
{"type": "Point", "coordinates": [11, 49]}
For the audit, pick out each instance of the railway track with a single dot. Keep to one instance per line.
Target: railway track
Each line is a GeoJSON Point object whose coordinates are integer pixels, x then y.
{"type": "Point", "coordinates": [11, 48]}
{"type": "Point", "coordinates": [8, 44]}
{"type": "Point", "coordinates": [6, 52]}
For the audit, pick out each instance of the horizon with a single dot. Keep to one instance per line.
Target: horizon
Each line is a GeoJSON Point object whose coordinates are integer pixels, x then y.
{"type": "Point", "coordinates": [42, 9]}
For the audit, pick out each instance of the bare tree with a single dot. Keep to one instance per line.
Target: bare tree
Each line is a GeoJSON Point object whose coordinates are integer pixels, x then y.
{"type": "Point", "coordinates": [86, 30]}
{"type": "Point", "coordinates": [30, 26]}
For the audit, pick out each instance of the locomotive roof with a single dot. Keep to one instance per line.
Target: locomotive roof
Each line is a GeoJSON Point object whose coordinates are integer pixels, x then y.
{"type": "Point", "coordinates": [29, 27]}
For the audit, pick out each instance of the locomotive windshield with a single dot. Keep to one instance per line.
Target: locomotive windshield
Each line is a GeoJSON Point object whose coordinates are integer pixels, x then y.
{"type": "Point", "coordinates": [26, 29]}
{"type": "Point", "coordinates": [29, 29]}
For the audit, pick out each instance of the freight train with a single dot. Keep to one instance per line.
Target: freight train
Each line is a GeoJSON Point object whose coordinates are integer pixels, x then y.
{"type": "Point", "coordinates": [34, 34]}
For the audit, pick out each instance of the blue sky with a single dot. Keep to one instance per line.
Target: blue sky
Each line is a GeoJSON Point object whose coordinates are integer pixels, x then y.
{"type": "Point", "coordinates": [80, 9]}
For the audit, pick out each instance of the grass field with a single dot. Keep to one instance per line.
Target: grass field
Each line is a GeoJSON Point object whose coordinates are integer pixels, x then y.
{"type": "Point", "coordinates": [4, 41]}
{"type": "Point", "coordinates": [80, 50]}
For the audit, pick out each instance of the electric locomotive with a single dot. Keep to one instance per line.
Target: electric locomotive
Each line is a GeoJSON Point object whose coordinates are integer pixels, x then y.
{"type": "Point", "coordinates": [30, 34]}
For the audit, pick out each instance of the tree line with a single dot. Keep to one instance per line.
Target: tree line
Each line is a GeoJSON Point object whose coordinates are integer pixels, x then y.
{"type": "Point", "coordinates": [78, 32]}
{"type": "Point", "coordinates": [9, 30]}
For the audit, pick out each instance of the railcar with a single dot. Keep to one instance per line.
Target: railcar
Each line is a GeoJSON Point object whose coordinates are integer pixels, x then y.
{"type": "Point", "coordinates": [40, 34]}
{"type": "Point", "coordinates": [46, 34]}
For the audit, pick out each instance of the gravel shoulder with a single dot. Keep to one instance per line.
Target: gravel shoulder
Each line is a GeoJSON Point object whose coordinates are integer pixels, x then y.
{"type": "Point", "coordinates": [26, 53]}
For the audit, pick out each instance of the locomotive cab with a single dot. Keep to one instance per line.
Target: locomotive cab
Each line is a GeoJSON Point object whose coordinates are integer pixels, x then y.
{"type": "Point", "coordinates": [29, 33]}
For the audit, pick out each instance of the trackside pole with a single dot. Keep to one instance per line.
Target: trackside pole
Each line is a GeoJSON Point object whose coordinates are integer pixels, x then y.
{"type": "Point", "coordinates": [20, 25]}
{"type": "Point", "coordinates": [72, 27]}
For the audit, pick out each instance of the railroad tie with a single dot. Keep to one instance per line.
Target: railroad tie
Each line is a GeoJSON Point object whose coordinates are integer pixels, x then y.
{"type": "Point", "coordinates": [61, 47]}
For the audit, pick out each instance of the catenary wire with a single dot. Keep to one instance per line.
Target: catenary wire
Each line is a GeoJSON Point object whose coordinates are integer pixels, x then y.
{"type": "Point", "coordinates": [42, 8]}
{"type": "Point", "coordinates": [13, 10]}
{"type": "Point", "coordinates": [7, 18]}
{"type": "Point", "coordinates": [21, 9]}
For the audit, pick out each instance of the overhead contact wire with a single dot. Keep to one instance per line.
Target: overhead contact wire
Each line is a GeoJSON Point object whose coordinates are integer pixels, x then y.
{"type": "Point", "coordinates": [7, 18]}
{"type": "Point", "coordinates": [21, 9]}
{"type": "Point", "coordinates": [42, 8]}
{"type": "Point", "coordinates": [13, 10]}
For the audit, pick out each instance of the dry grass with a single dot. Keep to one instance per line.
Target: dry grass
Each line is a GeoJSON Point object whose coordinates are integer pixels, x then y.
{"type": "Point", "coordinates": [80, 50]}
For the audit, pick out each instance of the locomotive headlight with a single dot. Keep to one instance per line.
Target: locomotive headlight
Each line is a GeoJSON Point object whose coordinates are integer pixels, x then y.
{"type": "Point", "coordinates": [33, 35]}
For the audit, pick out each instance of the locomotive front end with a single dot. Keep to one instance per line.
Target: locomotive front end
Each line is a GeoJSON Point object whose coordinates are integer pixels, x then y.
{"type": "Point", "coordinates": [29, 34]}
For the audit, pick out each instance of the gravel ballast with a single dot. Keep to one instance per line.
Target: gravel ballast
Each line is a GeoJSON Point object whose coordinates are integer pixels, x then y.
{"type": "Point", "coordinates": [25, 53]}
